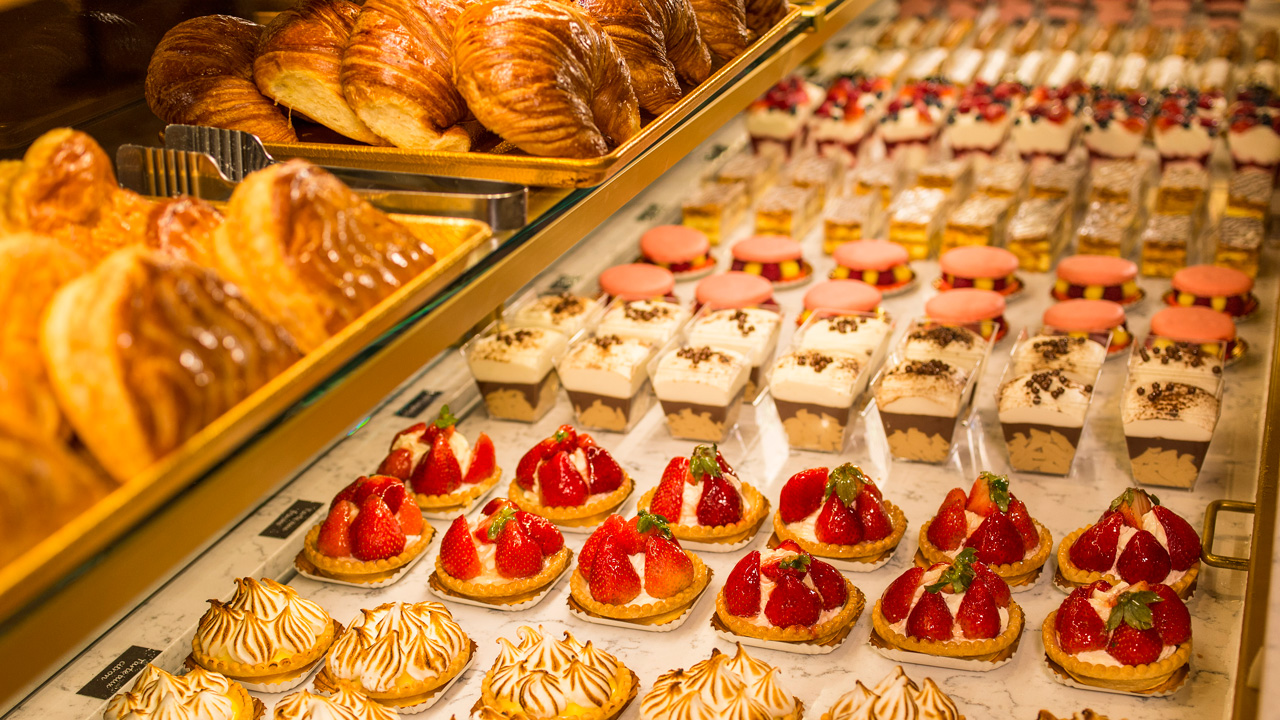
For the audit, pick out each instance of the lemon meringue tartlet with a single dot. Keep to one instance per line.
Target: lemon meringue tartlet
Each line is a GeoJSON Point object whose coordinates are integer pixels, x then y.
{"type": "Point", "coordinates": [398, 654]}
{"type": "Point", "coordinates": [896, 697]}
{"type": "Point", "coordinates": [198, 695]}
{"type": "Point", "coordinates": [266, 635]}
{"type": "Point", "coordinates": [542, 678]}
{"type": "Point", "coordinates": [721, 687]}
{"type": "Point", "coordinates": [342, 705]}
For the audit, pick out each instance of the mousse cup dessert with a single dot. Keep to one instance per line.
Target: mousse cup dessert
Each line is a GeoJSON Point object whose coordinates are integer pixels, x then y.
{"type": "Point", "coordinates": [814, 392]}
{"type": "Point", "coordinates": [564, 312]}
{"type": "Point", "coordinates": [1042, 415]}
{"type": "Point", "coordinates": [700, 389]}
{"type": "Point", "coordinates": [605, 378]}
{"type": "Point", "coordinates": [1170, 409]}
{"type": "Point", "coordinates": [515, 370]}
{"type": "Point", "coordinates": [864, 335]}
{"type": "Point", "coordinates": [654, 321]}
{"type": "Point", "coordinates": [752, 332]}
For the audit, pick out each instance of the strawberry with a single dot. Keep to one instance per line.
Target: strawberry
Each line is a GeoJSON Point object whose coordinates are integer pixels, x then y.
{"type": "Point", "coordinates": [362, 487]}
{"type": "Point", "coordinates": [855, 503]}
{"type": "Point", "coordinates": [1184, 543]}
{"type": "Point", "coordinates": [896, 601]}
{"type": "Point", "coordinates": [1095, 549]}
{"type": "Point", "coordinates": [793, 603]}
{"type": "Point", "coordinates": [606, 474]}
{"type": "Point", "coordinates": [742, 588]}
{"type": "Point", "coordinates": [720, 503]}
{"type": "Point", "coordinates": [542, 531]}
{"type": "Point", "coordinates": [830, 584]}
{"type": "Point", "coordinates": [989, 493]}
{"type": "Point", "coordinates": [667, 569]}
{"type": "Point", "coordinates": [640, 528]}
{"type": "Point", "coordinates": [1078, 625]}
{"type": "Point", "coordinates": [517, 555]}
{"type": "Point", "coordinates": [947, 529]}
{"type": "Point", "coordinates": [483, 461]}
{"type": "Point", "coordinates": [978, 616]}
{"type": "Point", "coordinates": [398, 464]}
{"type": "Point", "coordinates": [1170, 617]}
{"type": "Point", "coordinates": [527, 468]}
{"type": "Point", "coordinates": [720, 461]}
{"type": "Point", "coordinates": [930, 619]}
{"type": "Point", "coordinates": [560, 483]}
{"type": "Point", "coordinates": [439, 472]}
{"type": "Point", "coordinates": [1132, 504]}
{"type": "Point", "coordinates": [1134, 639]}
{"type": "Point", "coordinates": [796, 566]}
{"type": "Point", "coordinates": [458, 554]}
{"type": "Point", "coordinates": [613, 580]}
{"type": "Point", "coordinates": [566, 439]}
{"type": "Point", "coordinates": [611, 526]}
{"type": "Point", "coordinates": [335, 539]}
{"type": "Point", "coordinates": [415, 429]}
{"type": "Point", "coordinates": [405, 508]}
{"type": "Point", "coordinates": [992, 584]}
{"type": "Point", "coordinates": [871, 513]}
{"type": "Point", "coordinates": [791, 545]}
{"type": "Point", "coordinates": [376, 533]}
{"type": "Point", "coordinates": [837, 524]}
{"type": "Point", "coordinates": [997, 541]}
{"type": "Point", "coordinates": [668, 498]}
{"type": "Point", "coordinates": [495, 505]}
{"type": "Point", "coordinates": [802, 495]}
{"type": "Point", "coordinates": [1022, 523]}
{"type": "Point", "coordinates": [1144, 558]}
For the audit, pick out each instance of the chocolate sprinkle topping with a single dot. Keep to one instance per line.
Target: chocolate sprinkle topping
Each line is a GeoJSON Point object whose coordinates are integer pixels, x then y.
{"type": "Point", "coordinates": [649, 314]}
{"type": "Point", "coordinates": [1057, 347]}
{"type": "Point", "coordinates": [814, 359]}
{"type": "Point", "coordinates": [847, 324]}
{"type": "Point", "coordinates": [745, 327]}
{"type": "Point", "coordinates": [697, 355]}
{"type": "Point", "coordinates": [927, 367]}
{"type": "Point", "coordinates": [944, 335]}
{"type": "Point", "coordinates": [517, 337]}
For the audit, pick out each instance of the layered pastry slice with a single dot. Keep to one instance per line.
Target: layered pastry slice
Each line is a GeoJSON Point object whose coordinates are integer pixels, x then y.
{"type": "Point", "coordinates": [342, 705]}
{"type": "Point", "coordinates": [703, 501]}
{"type": "Point", "coordinates": [569, 480]}
{"type": "Point", "coordinates": [157, 695]}
{"type": "Point", "coordinates": [786, 595]}
{"type": "Point", "coordinates": [1123, 637]}
{"type": "Point", "coordinates": [400, 655]}
{"type": "Point", "coordinates": [959, 610]}
{"type": "Point", "coordinates": [722, 687]}
{"type": "Point", "coordinates": [505, 556]}
{"type": "Point", "coordinates": [444, 471]}
{"type": "Point", "coordinates": [895, 697]}
{"type": "Point", "coordinates": [840, 515]}
{"type": "Point", "coordinates": [373, 531]}
{"type": "Point", "coordinates": [266, 635]}
{"type": "Point", "coordinates": [635, 570]}
{"type": "Point", "coordinates": [1136, 539]}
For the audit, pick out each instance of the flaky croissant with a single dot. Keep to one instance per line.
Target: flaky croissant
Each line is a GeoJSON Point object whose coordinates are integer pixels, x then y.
{"type": "Point", "coordinates": [724, 26]}
{"type": "Point", "coordinates": [686, 47]}
{"type": "Point", "coordinates": [638, 34]}
{"type": "Point", "coordinates": [764, 14]}
{"type": "Point", "coordinates": [201, 73]}
{"type": "Point", "coordinates": [544, 76]}
{"type": "Point", "coordinates": [397, 73]}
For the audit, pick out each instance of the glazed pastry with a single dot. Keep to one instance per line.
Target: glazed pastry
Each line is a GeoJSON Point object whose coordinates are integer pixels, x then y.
{"type": "Point", "coordinates": [397, 74]}
{"type": "Point", "coordinates": [397, 654]}
{"type": "Point", "coordinates": [764, 14]}
{"type": "Point", "coordinates": [157, 695]}
{"type": "Point", "coordinates": [542, 678]}
{"type": "Point", "coordinates": [703, 500]}
{"type": "Point", "coordinates": [299, 60]}
{"type": "Point", "coordinates": [267, 634]}
{"type": "Point", "coordinates": [439, 465]}
{"type": "Point", "coordinates": [839, 515]}
{"type": "Point", "coordinates": [993, 523]}
{"type": "Point", "coordinates": [570, 480]}
{"type": "Point", "coordinates": [197, 349]}
{"type": "Point", "coordinates": [573, 97]}
{"type": "Point", "coordinates": [506, 556]}
{"type": "Point", "coordinates": [342, 705]}
{"type": "Point", "coordinates": [724, 26]}
{"type": "Point", "coordinates": [201, 73]}
{"type": "Point", "coordinates": [310, 253]}
{"type": "Point", "coordinates": [373, 530]}
{"type": "Point", "coordinates": [895, 696]}
{"type": "Point", "coordinates": [721, 686]}
{"type": "Point", "coordinates": [183, 227]}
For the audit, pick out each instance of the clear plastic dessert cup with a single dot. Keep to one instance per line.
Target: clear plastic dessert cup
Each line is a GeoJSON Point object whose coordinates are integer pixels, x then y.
{"type": "Point", "coordinates": [751, 331]}
{"type": "Point", "coordinates": [700, 389]}
{"type": "Point", "coordinates": [572, 314]}
{"type": "Point", "coordinates": [607, 380]}
{"type": "Point", "coordinates": [515, 370]}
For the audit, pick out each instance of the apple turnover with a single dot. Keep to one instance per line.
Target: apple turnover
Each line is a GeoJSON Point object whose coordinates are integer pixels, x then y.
{"type": "Point", "coordinates": [157, 695]}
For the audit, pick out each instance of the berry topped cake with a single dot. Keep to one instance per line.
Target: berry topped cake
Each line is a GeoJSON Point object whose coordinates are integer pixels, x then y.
{"type": "Point", "coordinates": [848, 114]}
{"type": "Point", "coordinates": [703, 500]}
{"type": "Point", "coordinates": [1187, 124]}
{"type": "Point", "coordinates": [1136, 539]}
{"type": "Point", "coordinates": [915, 117]}
{"type": "Point", "coordinates": [372, 532]}
{"type": "Point", "coordinates": [1116, 125]}
{"type": "Point", "coordinates": [570, 480]}
{"type": "Point", "coordinates": [839, 514]}
{"type": "Point", "coordinates": [780, 119]}
{"type": "Point", "coordinates": [505, 556]}
{"type": "Point", "coordinates": [983, 116]}
{"type": "Point", "coordinates": [444, 471]}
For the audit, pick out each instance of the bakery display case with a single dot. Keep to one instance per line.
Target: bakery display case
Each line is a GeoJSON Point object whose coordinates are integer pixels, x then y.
{"type": "Point", "coordinates": [421, 380]}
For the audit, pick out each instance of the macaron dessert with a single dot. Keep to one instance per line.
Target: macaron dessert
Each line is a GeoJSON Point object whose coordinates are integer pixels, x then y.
{"type": "Point", "coordinates": [734, 290]}
{"type": "Point", "coordinates": [970, 306]}
{"type": "Point", "coordinates": [638, 281]}
{"type": "Point", "coordinates": [979, 266]}
{"type": "Point", "coordinates": [1086, 318]}
{"type": "Point", "coordinates": [881, 263]}
{"type": "Point", "coordinates": [684, 251]}
{"type": "Point", "coordinates": [776, 258]}
{"type": "Point", "coordinates": [1097, 277]}
{"type": "Point", "coordinates": [1202, 325]}
{"type": "Point", "coordinates": [844, 296]}
{"type": "Point", "coordinates": [1224, 289]}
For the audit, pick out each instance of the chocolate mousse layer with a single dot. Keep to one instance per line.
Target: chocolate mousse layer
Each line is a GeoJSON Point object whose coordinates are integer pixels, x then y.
{"type": "Point", "coordinates": [525, 402]}
{"type": "Point", "coordinates": [602, 412]}
{"type": "Point", "coordinates": [693, 421]}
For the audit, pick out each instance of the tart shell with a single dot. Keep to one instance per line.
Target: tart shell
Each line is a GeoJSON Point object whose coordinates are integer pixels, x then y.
{"type": "Point", "coordinates": [359, 571]}
{"type": "Point", "coordinates": [404, 696]}
{"type": "Point", "coordinates": [966, 649]}
{"type": "Point", "coordinates": [1129, 678]}
{"type": "Point", "coordinates": [868, 552]}
{"type": "Point", "coordinates": [1016, 574]}
{"type": "Point", "coordinates": [586, 515]}
{"type": "Point", "coordinates": [1079, 577]}
{"type": "Point", "coordinates": [459, 499]}
{"type": "Point", "coordinates": [288, 668]}
{"type": "Point", "coordinates": [512, 591]}
{"type": "Point", "coordinates": [628, 685]}
{"type": "Point", "coordinates": [757, 508]}
{"type": "Point", "coordinates": [673, 606]}
{"type": "Point", "coordinates": [847, 616]}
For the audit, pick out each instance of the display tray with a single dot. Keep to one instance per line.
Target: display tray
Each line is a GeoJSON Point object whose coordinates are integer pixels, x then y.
{"type": "Point", "coordinates": [504, 162]}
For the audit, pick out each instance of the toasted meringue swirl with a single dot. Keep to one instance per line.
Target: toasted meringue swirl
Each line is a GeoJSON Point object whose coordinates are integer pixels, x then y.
{"type": "Point", "coordinates": [263, 622]}
{"type": "Point", "coordinates": [157, 695]}
{"type": "Point", "coordinates": [344, 705]}
{"type": "Point", "coordinates": [740, 687]}
{"type": "Point", "coordinates": [896, 697]}
{"type": "Point", "coordinates": [545, 676]}
{"type": "Point", "coordinates": [413, 641]}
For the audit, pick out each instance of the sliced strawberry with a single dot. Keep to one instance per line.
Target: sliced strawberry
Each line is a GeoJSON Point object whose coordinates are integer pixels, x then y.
{"type": "Point", "coordinates": [802, 495]}
{"type": "Point", "coordinates": [376, 533]}
{"type": "Point", "coordinates": [668, 571]}
{"type": "Point", "coordinates": [606, 474]}
{"type": "Point", "coordinates": [793, 603]}
{"type": "Point", "coordinates": [1132, 504]}
{"type": "Point", "coordinates": [458, 554]}
{"type": "Point", "coordinates": [335, 539]}
{"type": "Point", "coordinates": [1021, 520]}
{"type": "Point", "coordinates": [1095, 549]}
{"type": "Point", "coordinates": [495, 505]}
{"type": "Point", "coordinates": [896, 601]}
{"type": "Point", "coordinates": [517, 555]}
{"type": "Point", "coordinates": [996, 541]}
{"type": "Point", "coordinates": [871, 513]}
{"type": "Point", "coordinates": [837, 524]}
{"type": "Point", "coordinates": [742, 588]}
{"type": "Point", "coordinates": [930, 619]}
{"type": "Point", "coordinates": [613, 580]}
{"type": "Point", "coordinates": [830, 584]}
{"type": "Point", "coordinates": [527, 468]}
{"type": "Point", "coordinates": [439, 472]}
{"type": "Point", "coordinates": [989, 493]}
{"type": "Point", "coordinates": [1078, 625]}
{"type": "Point", "coordinates": [611, 526]}
{"type": "Point", "coordinates": [542, 531]}
{"type": "Point", "coordinates": [408, 514]}
{"type": "Point", "coordinates": [978, 616]}
{"type": "Point", "coordinates": [560, 483]}
{"type": "Point", "coordinates": [1170, 617]}
{"type": "Point", "coordinates": [668, 498]}
{"type": "Point", "coordinates": [1144, 558]}
{"type": "Point", "coordinates": [566, 438]}
{"type": "Point", "coordinates": [483, 461]}
{"type": "Point", "coordinates": [398, 464]}
{"type": "Point", "coordinates": [796, 566]}
{"type": "Point", "coordinates": [992, 584]}
{"type": "Point", "coordinates": [720, 503]}
{"type": "Point", "coordinates": [947, 529]}
{"type": "Point", "coordinates": [1184, 543]}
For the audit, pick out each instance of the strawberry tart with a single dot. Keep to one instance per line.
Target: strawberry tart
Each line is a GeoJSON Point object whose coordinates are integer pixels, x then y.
{"type": "Point", "coordinates": [959, 610]}
{"type": "Point", "coordinates": [1136, 539]}
{"type": "Point", "coordinates": [635, 570]}
{"type": "Point", "coordinates": [703, 501]}
{"type": "Point", "coordinates": [441, 467]}
{"type": "Point", "coordinates": [995, 525]}
{"type": "Point", "coordinates": [722, 686]}
{"type": "Point", "coordinates": [786, 595]}
{"type": "Point", "coordinates": [505, 556]}
{"type": "Point", "coordinates": [1127, 637]}
{"type": "Point", "coordinates": [569, 480]}
{"type": "Point", "coordinates": [373, 531]}
{"type": "Point", "coordinates": [840, 515]}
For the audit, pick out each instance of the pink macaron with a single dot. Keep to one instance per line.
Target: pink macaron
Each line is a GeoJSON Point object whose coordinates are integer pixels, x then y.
{"type": "Point", "coordinates": [1199, 324]}
{"type": "Point", "coordinates": [776, 258]}
{"type": "Point", "coordinates": [970, 306]}
{"type": "Point", "coordinates": [1218, 288]}
{"type": "Point", "coordinates": [637, 281]}
{"type": "Point", "coordinates": [979, 266]}
{"type": "Point", "coordinates": [684, 251]}
{"type": "Point", "coordinates": [881, 263]}
{"type": "Point", "coordinates": [1091, 317]}
{"type": "Point", "coordinates": [1097, 277]}
{"type": "Point", "coordinates": [734, 290]}
{"type": "Point", "coordinates": [844, 296]}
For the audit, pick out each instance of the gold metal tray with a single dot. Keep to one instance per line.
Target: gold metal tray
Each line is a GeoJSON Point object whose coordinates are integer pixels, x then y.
{"type": "Point", "coordinates": [40, 567]}
{"type": "Point", "coordinates": [541, 171]}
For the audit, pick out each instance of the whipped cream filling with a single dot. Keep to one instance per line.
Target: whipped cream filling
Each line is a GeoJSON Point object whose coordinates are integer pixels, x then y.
{"type": "Point", "coordinates": [953, 601]}
{"type": "Point", "coordinates": [1102, 602]}
{"type": "Point", "coordinates": [767, 587]}
{"type": "Point", "coordinates": [521, 355]}
{"type": "Point", "coordinates": [1183, 142]}
{"type": "Point", "coordinates": [1259, 145]}
{"type": "Point", "coordinates": [579, 460]}
{"type": "Point", "coordinates": [691, 494]}
{"type": "Point", "coordinates": [1151, 524]}
{"type": "Point", "coordinates": [458, 444]}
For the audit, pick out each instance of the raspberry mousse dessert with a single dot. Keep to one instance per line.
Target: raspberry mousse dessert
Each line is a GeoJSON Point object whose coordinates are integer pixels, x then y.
{"type": "Point", "coordinates": [701, 390]}
{"type": "Point", "coordinates": [373, 531]}
{"type": "Point", "coordinates": [1136, 539]}
{"type": "Point", "coordinates": [722, 687]}
{"type": "Point", "coordinates": [570, 480]}
{"type": "Point", "coordinates": [442, 469]}
{"type": "Point", "coordinates": [882, 264]}
{"type": "Point", "coordinates": [1042, 415]}
{"type": "Point", "coordinates": [605, 378]}
{"type": "Point", "coordinates": [684, 251]}
{"type": "Point", "coordinates": [848, 115]}
{"type": "Point", "coordinates": [1121, 637]}
{"type": "Point", "coordinates": [1224, 289]}
{"type": "Point", "coordinates": [779, 121]}
{"type": "Point", "coordinates": [839, 515]}
{"type": "Point", "coordinates": [515, 370]}
{"type": "Point", "coordinates": [703, 501]}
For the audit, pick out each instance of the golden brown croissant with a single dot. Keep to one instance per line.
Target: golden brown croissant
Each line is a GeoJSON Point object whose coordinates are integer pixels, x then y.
{"type": "Point", "coordinates": [764, 14]}
{"type": "Point", "coordinates": [685, 46]}
{"type": "Point", "coordinates": [201, 73]}
{"type": "Point", "coordinates": [724, 26]}
{"type": "Point", "coordinates": [311, 254]}
{"type": "Point", "coordinates": [183, 227]}
{"type": "Point", "coordinates": [638, 34]}
{"type": "Point", "coordinates": [300, 59]}
{"type": "Point", "coordinates": [544, 76]}
{"type": "Point", "coordinates": [146, 350]}
{"type": "Point", "coordinates": [397, 73]}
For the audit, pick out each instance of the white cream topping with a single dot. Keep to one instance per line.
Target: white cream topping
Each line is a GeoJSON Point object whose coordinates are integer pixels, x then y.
{"type": "Point", "coordinates": [1043, 136]}
{"type": "Point", "coordinates": [1202, 371]}
{"type": "Point", "coordinates": [653, 320]}
{"type": "Point", "coordinates": [564, 313]}
{"type": "Point", "coordinates": [969, 132]}
{"type": "Point", "coordinates": [521, 355]}
{"type": "Point", "coordinates": [750, 331]}
{"type": "Point", "coordinates": [860, 336]}
{"type": "Point", "coordinates": [701, 376]}
{"type": "Point", "coordinates": [906, 391]}
{"type": "Point", "coordinates": [1078, 358]}
{"type": "Point", "coordinates": [396, 644]}
{"type": "Point", "coordinates": [606, 365]}
{"type": "Point", "coordinates": [1045, 397]}
{"type": "Point", "coordinates": [817, 377]}
{"type": "Point", "coordinates": [1177, 141]}
{"type": "Point", "coordinates": [957, 346]}
{"type": "Point", "coordinates": [1259, 145]}
{"type": "Point", "coordinates": [157, 695]}
{"type": "Point", "coordinates": [1179, 412]}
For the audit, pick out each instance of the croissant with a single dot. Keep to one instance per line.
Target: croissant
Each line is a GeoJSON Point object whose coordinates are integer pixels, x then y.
{"type": "Point", "coordinates": [311, 254]}
{"type": "Point", "coordinates": [146, 350]}
{"type": "Point", "coordinates": [397, 73]}
{"type": "Point", "coordinates": [201, 73]}
{"type": "Point", "coordinates": [544, 76]}
{"type": "Point", "coordinates": [638, 35]}
{"type": "Point", "coordinates": [764, 14]}
{"type": "Point", "coordinates": [299, 63]}
{"type": "Point", "coordinates": [724, 26]}
{"type": "Point", "coordinates": [686, 48]}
